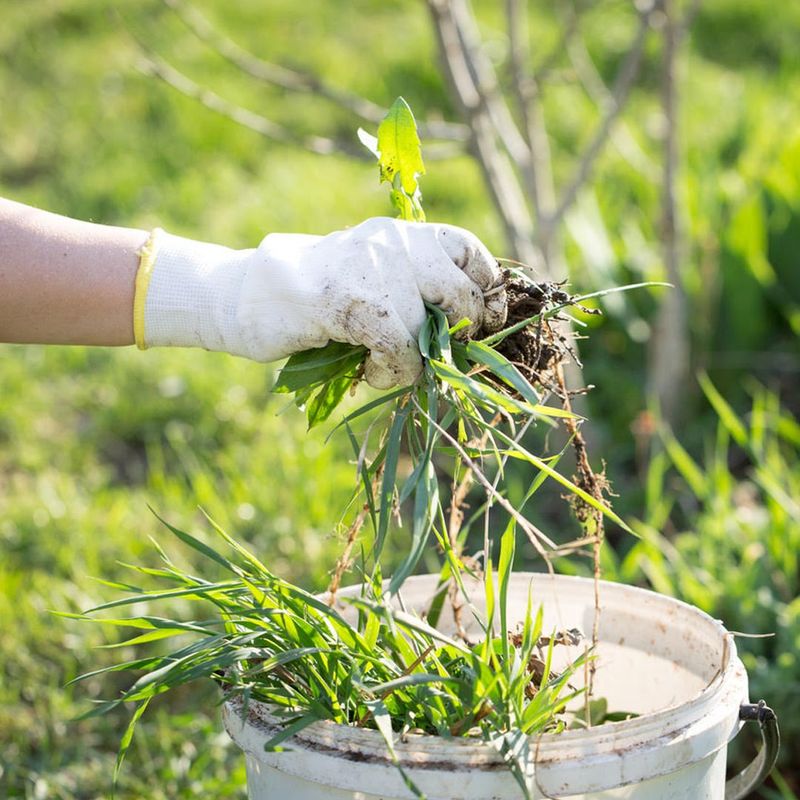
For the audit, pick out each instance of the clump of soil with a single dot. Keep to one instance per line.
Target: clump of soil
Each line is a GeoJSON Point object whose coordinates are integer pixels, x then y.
{"type": "Point", "coordinates": [536, 666]}
{"type": "Point", "coordinates": [538, 349]}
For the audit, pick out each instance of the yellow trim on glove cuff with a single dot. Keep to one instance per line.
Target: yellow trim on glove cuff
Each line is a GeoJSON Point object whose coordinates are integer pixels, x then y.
{"type": "Point", "coordinates": [147, 260]}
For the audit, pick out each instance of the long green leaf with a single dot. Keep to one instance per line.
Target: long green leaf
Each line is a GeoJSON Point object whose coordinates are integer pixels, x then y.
{"type": "Point", "coordinates": [125, 743]}
{"type": "Point", "coordinates": [203, 591]}
{"type": "Point", "coordinates": [685, 464]}
{"type": "Point", "coordinates": [414, 679]}
{"type": "Point", "coordinates": [426, 499]}
{"type": "Point", "coordinates": [559, 478]}
{"type": "Point", "coordinates": [324, 402]}
{"type": "Point", "coordinates": [498, 337]}
{"type": "Point", "coordinates": [367, 407]}
{"type": "Point", "coordinates": [383, 722]}
{"type": "Point", "coordinates": [393, 445]}
{"type": "Point", "coordinates": [503, 369]}
{"type": "Point", "coordinates": [201, 547]}
{"type": "Point", "coordinates": [505, 565]}
{"type": "Point", "coordinates": [489, 397]}
{"type": "Point", "coordinates": [273, 744]}
{"type": "Point", "coordinates": [726, 414]}
{"type": "Point", "coordinates": [251, 559]}
{"type": "Point", "coordinates": [315, 366]}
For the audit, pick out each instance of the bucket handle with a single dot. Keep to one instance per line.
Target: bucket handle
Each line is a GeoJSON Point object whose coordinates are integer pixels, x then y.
{"type": "Point", "coordinates": [753, 775]}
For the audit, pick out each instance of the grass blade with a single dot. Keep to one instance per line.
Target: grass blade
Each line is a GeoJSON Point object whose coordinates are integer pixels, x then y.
{"type": "Point", "coordinates": [125, 743]}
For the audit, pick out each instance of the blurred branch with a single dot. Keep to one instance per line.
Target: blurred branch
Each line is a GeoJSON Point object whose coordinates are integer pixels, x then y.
{"type": "Point", "coordinates": [461, 71]}
{"type": "Point", "coordinates": [596, 89]}
{"type": "Point", "coordinates": [546, 66]}
{"type": "Point", "coordinates": [619, 95]}
{"type": "Point", "coordinates": [687, 20]}
{"type": "Point", "coordinates": [525, 86]}
{"type": "Point", "coordinates": [520, 164]}
{"type": "Point", "coordinates": [669, 362]}
{"type": "Point", "coordinates": [521, 81]}
{"type": "Point", "coordinates": [156, 67]}
{"type": "Point", "coordinates": [297, 81]}
{"type": "Point", "coordinates": [484, 79]}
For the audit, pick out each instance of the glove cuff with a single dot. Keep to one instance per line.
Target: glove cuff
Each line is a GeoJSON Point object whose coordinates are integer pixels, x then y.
{"type": "Point", "coordinates": [187, 294]}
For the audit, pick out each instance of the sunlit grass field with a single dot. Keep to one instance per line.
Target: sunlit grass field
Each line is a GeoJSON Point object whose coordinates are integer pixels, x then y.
{"type": "Point", "coordinates": [92, 440]}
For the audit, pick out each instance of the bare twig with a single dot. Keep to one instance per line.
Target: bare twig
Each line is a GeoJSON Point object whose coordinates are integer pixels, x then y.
{"type": "Point", "coordinates": [523, 83]}
{"type": "Point", "coordinates": [484, 78]}
{"type": "Point", "coordinates": [296, 81]}
{"type": "Point", "coordinates": [155, 66]}
{"type": "Point", "coordinates": [498, 174]}
{"type": "Point", "coordinates": [596, 485]}
{"type": "Point", "coordinates": [620, 135]}
{"type": "Point", "coordinates": [529, 151]}
{"type": "Point", "coordinates": [669, 363]}
{"type": "Point", "coordinates": [619, 95]}
{"type": "Point", "coordinates": [456, 516]}
{"type": "Point", "coordinates": [455, 520]}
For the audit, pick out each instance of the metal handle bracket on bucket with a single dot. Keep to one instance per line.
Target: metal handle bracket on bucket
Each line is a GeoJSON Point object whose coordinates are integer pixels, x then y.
{"type": "Point", "coordinates": [753, 775]}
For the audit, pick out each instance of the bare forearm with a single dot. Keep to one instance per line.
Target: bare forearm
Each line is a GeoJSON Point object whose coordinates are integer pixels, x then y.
{"type": "Point", "coordinates": [63, 281]}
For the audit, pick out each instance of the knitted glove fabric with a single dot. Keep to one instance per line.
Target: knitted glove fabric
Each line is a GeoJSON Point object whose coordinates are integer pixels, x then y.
{"type": "Point", "coordinates": [365, 285]}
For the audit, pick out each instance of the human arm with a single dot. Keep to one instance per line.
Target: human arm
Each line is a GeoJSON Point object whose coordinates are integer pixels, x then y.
{"type": "Point", "coordinates": [69, 282]}
{"type": "Point", "coordinates": [64, 281]}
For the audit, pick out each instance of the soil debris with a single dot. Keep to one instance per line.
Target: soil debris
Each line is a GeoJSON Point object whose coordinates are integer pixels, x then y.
{"type": "Point", "coordinates": [537, 349]}
{"type": "Point", "coordinates": [537, 665]}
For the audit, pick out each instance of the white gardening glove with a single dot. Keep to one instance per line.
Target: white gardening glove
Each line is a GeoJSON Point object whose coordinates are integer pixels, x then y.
{"type": "Point", "coordinates": [366, 285]}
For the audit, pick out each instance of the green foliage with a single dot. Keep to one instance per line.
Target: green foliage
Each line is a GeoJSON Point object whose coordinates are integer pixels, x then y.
{"type": "Point", "coordinates": [390, 663]}
{"type": "Point", "coordinates": [320, 667]}
{"type": "Point", "coordinates": [377, 667]}
{"type": "Point", "coordinates": [724, 534]}
{"type": "Point", "coordinates": [399, 155]}
{"type": "Point", "coordinates": [320, 378]}
{"type": "Point", "coordinates": [88, 438]}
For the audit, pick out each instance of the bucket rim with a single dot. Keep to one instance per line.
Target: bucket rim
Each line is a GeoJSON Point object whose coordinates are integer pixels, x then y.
{"type": "Point", "coordinates": [423, 751]}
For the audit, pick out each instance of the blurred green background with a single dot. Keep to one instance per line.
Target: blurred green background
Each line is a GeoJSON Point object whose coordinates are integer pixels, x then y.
{"type": "Point", "coordinates": [90, 438]}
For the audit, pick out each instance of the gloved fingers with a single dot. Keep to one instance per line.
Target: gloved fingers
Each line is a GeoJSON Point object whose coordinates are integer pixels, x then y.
{"type": "Point", "coordinates": [382, 372]}
{"type": "Point", "coordinates": [401, 290]}
{"type": "Point", "coordinates": [496, 309]}
{"type": "Point", "coordinates": [394, 358]}
{"type": "Point", "coordinates": [443, 284]}
{"type": "Point", "coordinates": [467, 252]}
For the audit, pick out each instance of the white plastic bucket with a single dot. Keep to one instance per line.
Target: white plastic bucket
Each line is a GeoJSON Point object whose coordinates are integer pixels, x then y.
{"type": "Point", "coordinates": [657, 657]}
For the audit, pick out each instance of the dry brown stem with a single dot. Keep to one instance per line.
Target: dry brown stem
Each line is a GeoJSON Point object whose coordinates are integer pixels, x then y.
{"type": "Point", "coordinates": [298, 81]}
{"type": "Point", "coordinates": [344, 561]}
{"type": "Point", "coordinates": [591, 518]}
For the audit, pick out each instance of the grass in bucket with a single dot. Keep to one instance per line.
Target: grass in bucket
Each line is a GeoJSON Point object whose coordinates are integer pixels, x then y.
{"type": "Point", "coordinates": [379, 666]}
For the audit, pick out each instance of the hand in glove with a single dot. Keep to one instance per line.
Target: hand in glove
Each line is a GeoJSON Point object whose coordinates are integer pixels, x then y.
{"type": "Point", "coordinates": [366, 285]}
